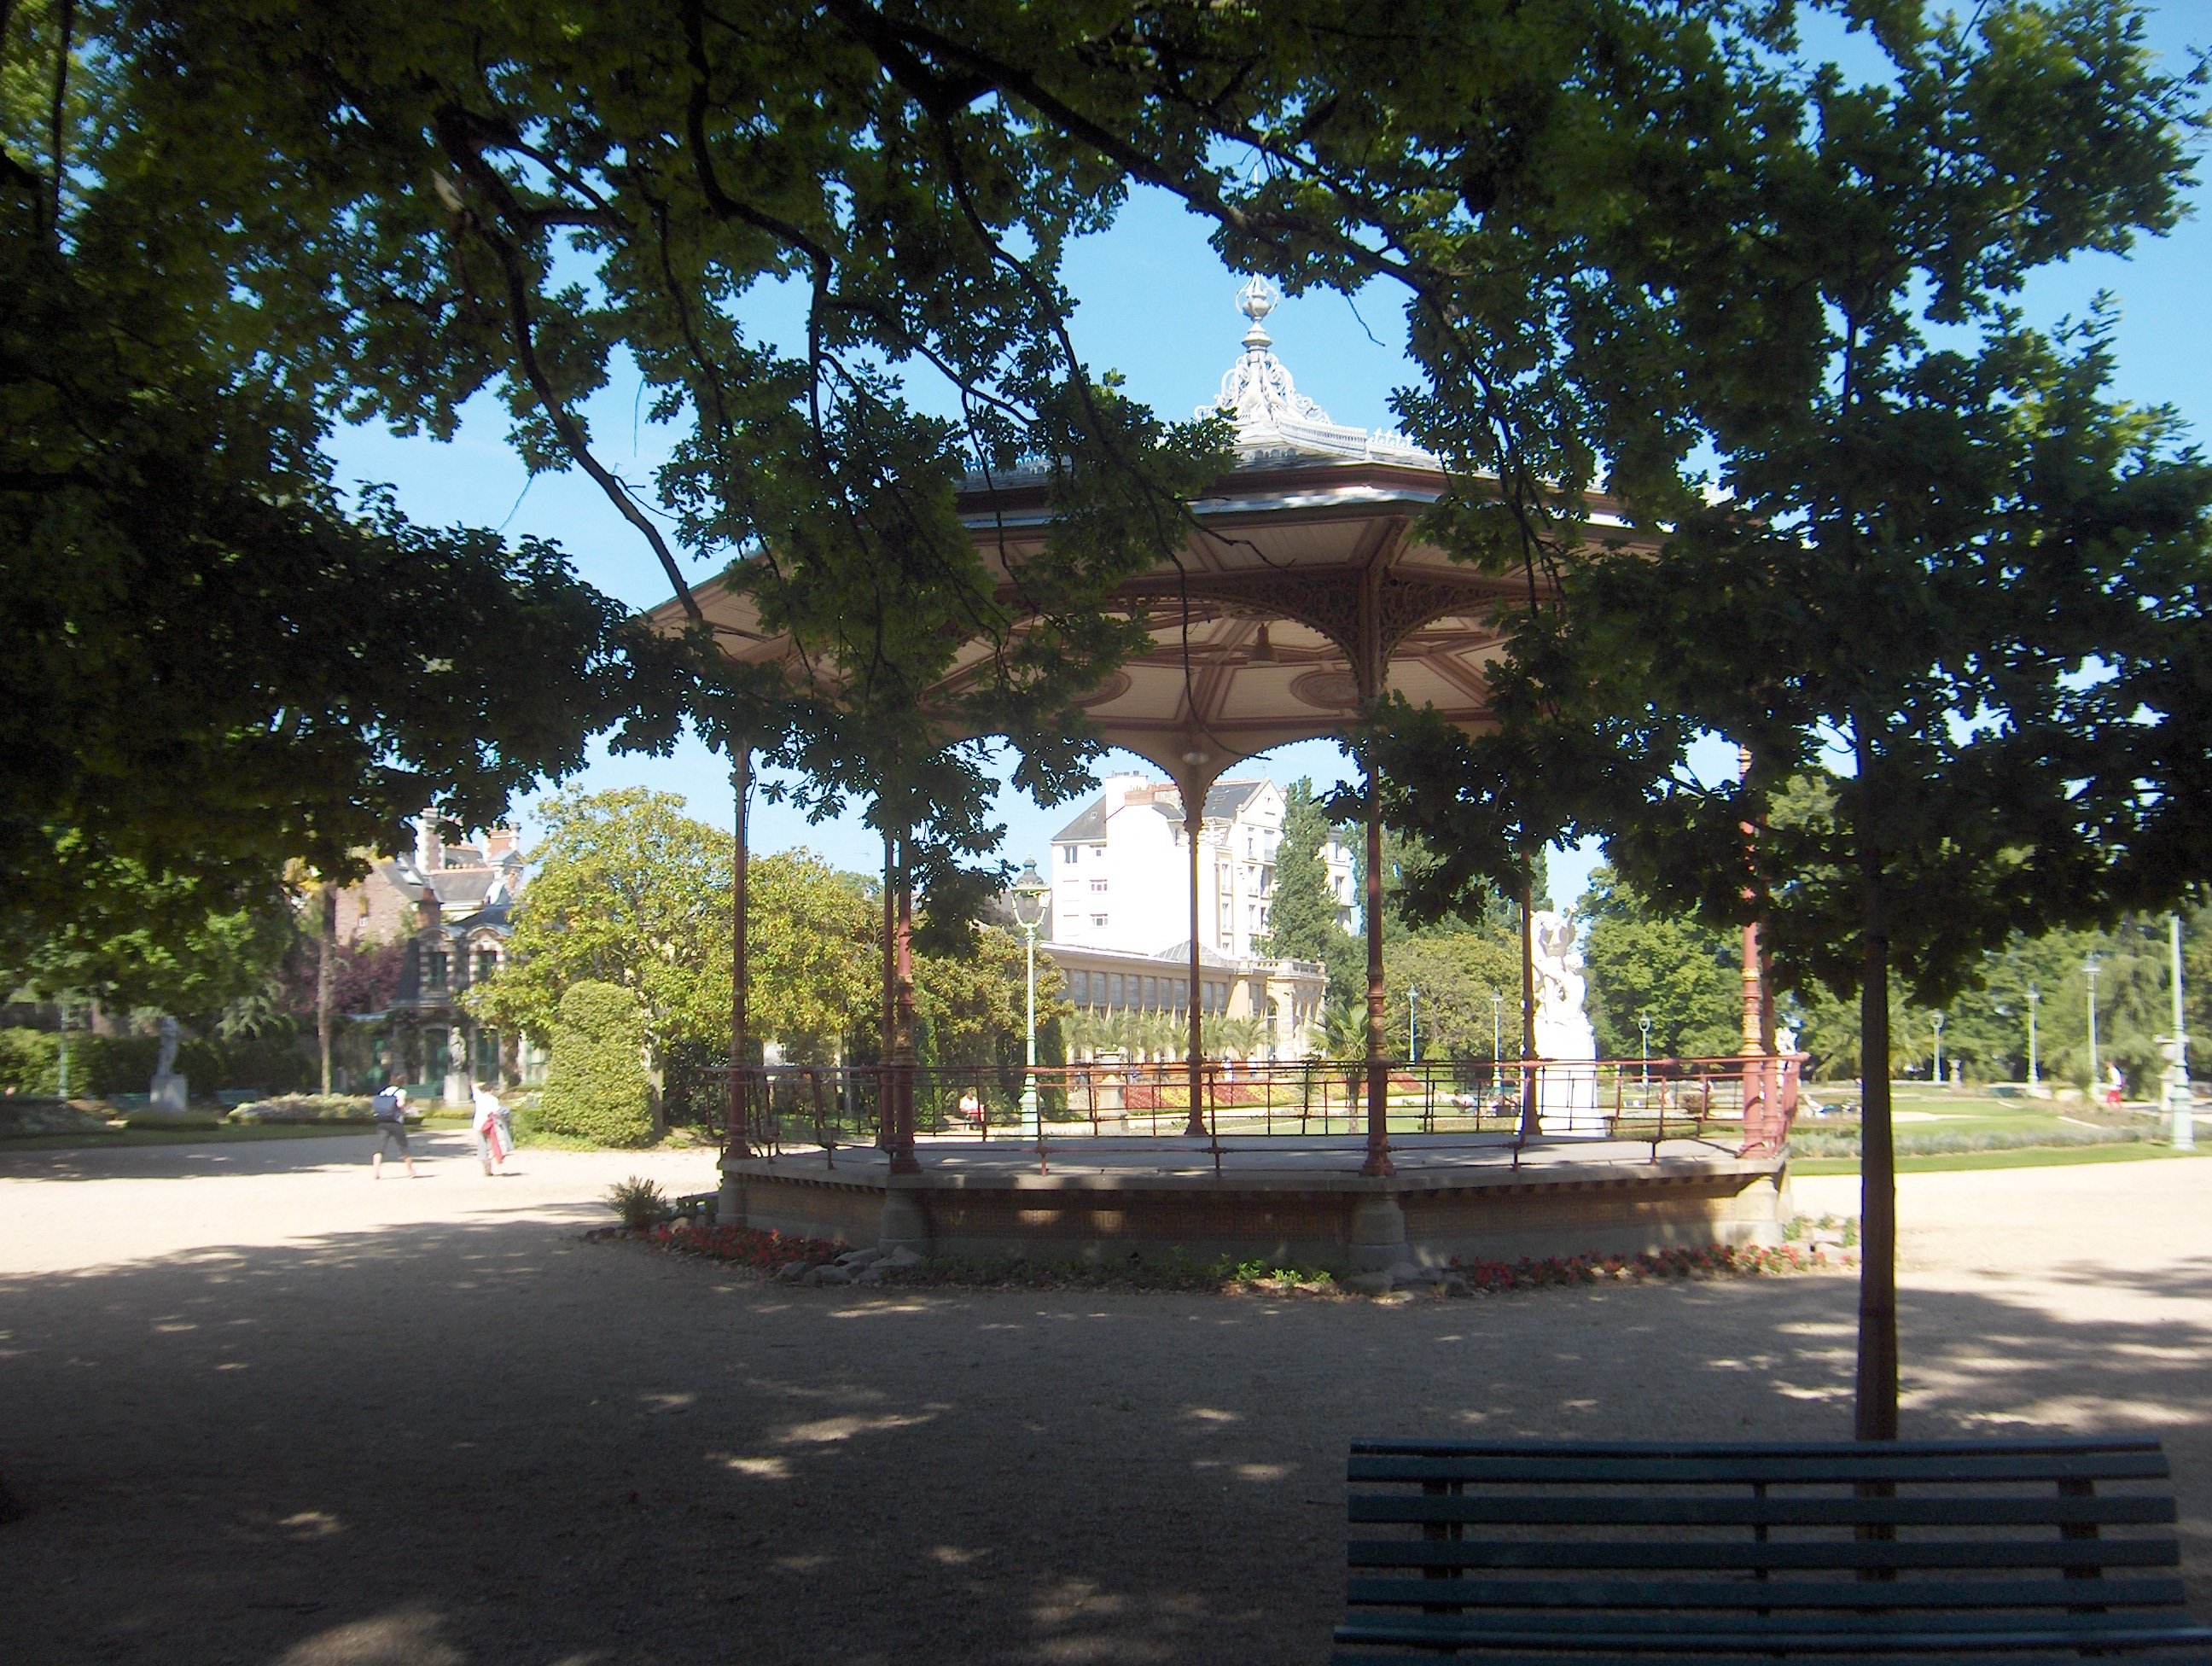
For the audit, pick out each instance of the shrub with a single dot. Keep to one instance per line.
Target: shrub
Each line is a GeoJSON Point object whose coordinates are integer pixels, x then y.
{"type": "Point", "coordinates": [595, 1083]}
{"type": "Point", "coordinates": [307, 1108]}
{"type": "Point", "coordinates": [638, 1201]}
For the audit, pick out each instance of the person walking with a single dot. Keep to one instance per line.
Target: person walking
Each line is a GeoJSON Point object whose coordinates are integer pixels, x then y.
{"type": "Point", "coordinates": [390, 1109]}
{"type": "Point", "coordinates": [494, 1133]}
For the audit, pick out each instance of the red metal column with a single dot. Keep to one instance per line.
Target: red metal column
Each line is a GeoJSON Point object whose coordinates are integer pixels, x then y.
{"type": "Point", "coordinates": [904, 1160]}
{"type": "Point", "coordinates": [1530, 1123]}
{"type": "Point", "coordinates": [1194, 822]}
{"type": "Point", "coordinates": [741, 784]}
{"type": "Point", "coordinates": [886, 1121]}
{"type": "Point", "coordinates": [1378, 1074]}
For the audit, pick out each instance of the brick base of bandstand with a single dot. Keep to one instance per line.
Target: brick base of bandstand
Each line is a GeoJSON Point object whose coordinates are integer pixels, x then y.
{"type": "Point", "coordinates": [1285, 1200]}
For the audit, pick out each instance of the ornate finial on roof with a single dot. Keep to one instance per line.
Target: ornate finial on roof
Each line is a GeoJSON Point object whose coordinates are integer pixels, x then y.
{"type": "Point", "coordinates": [1258, 393]}
{"type": "Point", "coordinates": [1272, 417]}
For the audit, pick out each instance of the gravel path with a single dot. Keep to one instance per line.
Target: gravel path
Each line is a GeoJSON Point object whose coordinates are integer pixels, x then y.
{"type": "Point", "coordinates": [265, 1411]}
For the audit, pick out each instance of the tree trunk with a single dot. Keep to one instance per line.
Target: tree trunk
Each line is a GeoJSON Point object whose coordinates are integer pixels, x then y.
{"type": "Point", "coordinates": [326, 978]}
{"type": "Point", "coordinates": [1876, 1418]}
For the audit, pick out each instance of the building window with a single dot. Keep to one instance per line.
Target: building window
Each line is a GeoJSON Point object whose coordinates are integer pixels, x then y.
{"type": "Point", "coordinates": [435, 965]}
{"type": "Point", "coordinates": [1098, 921]}
{"type": "Point", "coordinates": [1099, 884]}
{"type": "Point", "coordinates": [1114, 989]}
{"type": "Point", "coordinates": [487, 964]}
{"type": "Point", "coordinates": [1079, 988]}
{"type": "Point", "coordinates": [1074, 854]}
{"type": "Point", "coordinates": [1151, 992]}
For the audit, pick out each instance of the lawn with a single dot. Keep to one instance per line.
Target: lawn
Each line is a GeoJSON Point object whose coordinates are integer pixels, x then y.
{"type": "Point", "coordinates": [1922, 1111]}
{"type": "Point", "coordinates": [2021, 1156]}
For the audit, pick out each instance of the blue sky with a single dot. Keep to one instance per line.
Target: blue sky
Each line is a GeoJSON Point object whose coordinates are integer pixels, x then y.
{"type": "Point", "coordinates": [1155, 304]}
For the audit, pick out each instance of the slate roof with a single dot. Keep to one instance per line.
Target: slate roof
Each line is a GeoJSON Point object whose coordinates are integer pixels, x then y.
{"type": "Point", "coordinates": [1088, 827]}
{"type": "Point", "coordinates": [1223, 801]}
{"type": "Point", "coordinates": [460, 888]}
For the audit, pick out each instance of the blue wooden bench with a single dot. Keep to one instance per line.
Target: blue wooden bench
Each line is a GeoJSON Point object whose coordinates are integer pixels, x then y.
{"type": "Point", "coordinates": [1594, 1555]}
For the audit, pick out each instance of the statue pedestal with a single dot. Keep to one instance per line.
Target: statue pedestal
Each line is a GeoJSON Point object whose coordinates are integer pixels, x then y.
{"type": "Point", "coordinates": [1567, 1099]}
{"type": "Point", "coordinates": [168, 1093]}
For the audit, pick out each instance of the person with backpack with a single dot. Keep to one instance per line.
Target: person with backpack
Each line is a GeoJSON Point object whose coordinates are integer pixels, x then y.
{"type": "Point", "coordinates": [390, 1109]}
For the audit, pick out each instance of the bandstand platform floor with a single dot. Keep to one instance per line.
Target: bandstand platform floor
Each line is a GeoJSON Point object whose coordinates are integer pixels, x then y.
{"type": "Point", "coordinates": [1299, 1197]}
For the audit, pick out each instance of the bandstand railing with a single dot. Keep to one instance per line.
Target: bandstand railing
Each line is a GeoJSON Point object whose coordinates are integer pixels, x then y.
{"type": "Point", "coordinates": [1743, 1106]}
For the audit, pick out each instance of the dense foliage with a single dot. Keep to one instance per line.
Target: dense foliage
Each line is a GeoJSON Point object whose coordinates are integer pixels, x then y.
{"type": "Point", "coordinates": [630, 890]}
{"type": "Point", "coordinates": [1671, 968]}
{"type": "Point", "coordinates": [596, 1087]}
{"type": "Point", "coordinates": [30, 1062]}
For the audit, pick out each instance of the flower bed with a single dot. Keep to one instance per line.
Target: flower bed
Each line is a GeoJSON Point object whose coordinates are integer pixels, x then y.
{"type": "Point", "coordinates": [770, 1252]}
{"type": "Point", "coordinates": [764, 1252]}
{"type": "Point", "coordinates": [1717, 1260]}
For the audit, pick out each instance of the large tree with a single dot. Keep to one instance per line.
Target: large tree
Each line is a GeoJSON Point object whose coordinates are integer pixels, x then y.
{"type": "Point", "coordinates": [630, 890]}
{"type": "Point", "coordinates": [1669, 969]}
{"type": "Point", "coordinates": [1939, 572]}
{"type": "Point", "coordinates": [210, 664]}
{"type": "Point", "coordinates": [1304, 914]}
{"type": "Point", "coordinates": [419, 207]}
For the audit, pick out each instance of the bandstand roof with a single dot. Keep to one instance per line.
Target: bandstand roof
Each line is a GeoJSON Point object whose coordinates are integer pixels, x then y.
{"type": "Point", "coordinates": [1301, 566]}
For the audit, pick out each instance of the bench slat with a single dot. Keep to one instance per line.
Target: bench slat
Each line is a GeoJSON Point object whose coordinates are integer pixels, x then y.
{"type": "Point", "coordinates": [1575, 1631]}
{"type": "Point", "coordinates": [1775, 1594]}
{"type": "Point", "coordinates": [1711, 1555]}
{"type": "Point", "coordinates": [1610, 1449]}
{"type": "Point", "coordinates": [1485, 1657]}
{"type": "Point", "coordinates": [1481, 1655]}
{"type": "Point", "coordinates": [1746, 1469]}
{"type": "Point", "coordinates": [1620, 1509]}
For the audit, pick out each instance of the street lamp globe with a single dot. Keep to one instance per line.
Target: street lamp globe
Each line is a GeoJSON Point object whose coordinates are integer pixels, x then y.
{"type": "Point", "coordinates": [1030, 890]}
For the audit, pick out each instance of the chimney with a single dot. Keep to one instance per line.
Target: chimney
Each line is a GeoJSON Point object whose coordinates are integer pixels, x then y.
{"type": "Point", "coordinates": [498, 841]}
{"type": "Point", "coordinates": [429, 848]}
{"type": "Point", "coordinates": [1122, 790]}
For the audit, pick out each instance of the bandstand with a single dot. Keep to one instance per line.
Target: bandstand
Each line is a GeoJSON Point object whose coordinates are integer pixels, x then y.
{"type": "Point", "coordinates": [1303, 591]}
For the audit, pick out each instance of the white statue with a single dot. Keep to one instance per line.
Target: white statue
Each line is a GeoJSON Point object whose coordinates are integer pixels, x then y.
{"type": "Point", "coordinates": [168, 1090]}
{"type": "Point", "coordinates": [1567, 1094]}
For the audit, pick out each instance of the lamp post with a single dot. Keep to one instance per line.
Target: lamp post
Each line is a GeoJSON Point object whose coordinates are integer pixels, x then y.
{"type": "Point", "coordinates": [1030, 893]}
{"type": "Point", "coordinates": [2090, 967]}
{"type": "Point", "coordinates": [2180, 1100]}
{"type": "Point", "coordinates": [1939, 1048]}
{"type": "Point", "coordinates": [2034, 995]}
{"type": "Point", "coordinates": [1413, 1032]}
{"type": "Point", "coordinates": [1644, 1023]}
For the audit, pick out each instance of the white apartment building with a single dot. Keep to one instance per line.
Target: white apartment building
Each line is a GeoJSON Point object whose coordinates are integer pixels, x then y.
{"type": "Point", "coordinates": [1121, 869]}
{"type": "Point", "coordinates": [1120, 898]}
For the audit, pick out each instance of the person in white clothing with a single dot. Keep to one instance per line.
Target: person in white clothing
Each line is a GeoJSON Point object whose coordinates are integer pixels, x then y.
{"type": "Point", "coordinates": [490, 1128]}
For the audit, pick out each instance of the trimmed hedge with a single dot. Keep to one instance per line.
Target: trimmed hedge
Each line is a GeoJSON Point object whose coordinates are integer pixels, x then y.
{"type": "Point", "coordinates": [101, 1065]}
{"type": "Point", "coordinates": [596, 1086]}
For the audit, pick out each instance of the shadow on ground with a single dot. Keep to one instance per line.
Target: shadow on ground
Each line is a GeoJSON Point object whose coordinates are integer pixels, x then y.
{"type": "Point", "coordinates": [444, 1445]}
